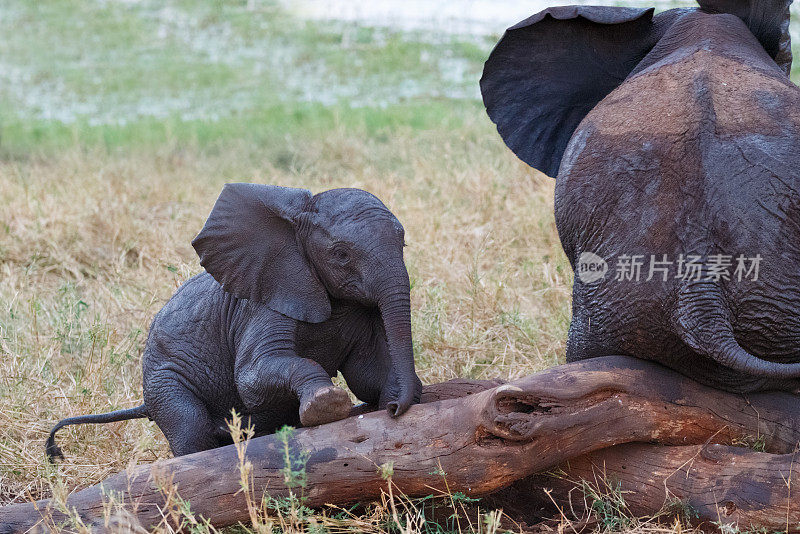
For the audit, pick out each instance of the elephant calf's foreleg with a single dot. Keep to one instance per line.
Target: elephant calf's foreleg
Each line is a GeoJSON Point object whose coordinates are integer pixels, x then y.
{"type": "Point", "coordinates": [264, 380]}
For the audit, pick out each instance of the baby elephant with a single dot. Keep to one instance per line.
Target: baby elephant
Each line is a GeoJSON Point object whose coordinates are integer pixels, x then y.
{"type": "Point", "coordinates": [296, 288]}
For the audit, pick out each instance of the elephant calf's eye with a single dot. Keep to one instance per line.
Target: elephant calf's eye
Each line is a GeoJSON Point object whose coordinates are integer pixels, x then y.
{"type": "Point", "coordinates": [340, 254]}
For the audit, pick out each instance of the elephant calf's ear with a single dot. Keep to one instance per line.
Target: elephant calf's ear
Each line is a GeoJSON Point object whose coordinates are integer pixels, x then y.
{"type": "Point", "coordinates": [249, 246]}
{"type": "Point", "coordinates": [550, 70]}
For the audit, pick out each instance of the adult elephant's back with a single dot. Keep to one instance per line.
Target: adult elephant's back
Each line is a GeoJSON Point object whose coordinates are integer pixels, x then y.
{"type": "Point", "coordinates": [696, 156]}
{"type": "Point", "coordinates": [695, 135]}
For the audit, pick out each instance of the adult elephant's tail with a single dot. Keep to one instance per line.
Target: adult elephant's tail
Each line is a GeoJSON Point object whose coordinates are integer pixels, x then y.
{"type": "Point", "coordinates": [54, 451]}
{"type": "Point", "coordinates": [703, 322]}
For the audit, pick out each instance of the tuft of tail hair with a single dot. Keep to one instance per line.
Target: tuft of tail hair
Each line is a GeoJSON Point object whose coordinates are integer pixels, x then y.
{"type": "Point", "coordinates": [53, 451]}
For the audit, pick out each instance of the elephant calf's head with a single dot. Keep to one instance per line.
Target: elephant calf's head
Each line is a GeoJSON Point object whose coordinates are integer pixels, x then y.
{"type": "Point", "coordinates": [294, 252]}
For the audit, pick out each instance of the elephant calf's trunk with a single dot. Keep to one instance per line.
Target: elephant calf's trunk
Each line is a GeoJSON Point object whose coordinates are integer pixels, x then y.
{"type": "Point", "coordinates": [395, 309]}
{"type": "Point", "coordinates": [399, 406]}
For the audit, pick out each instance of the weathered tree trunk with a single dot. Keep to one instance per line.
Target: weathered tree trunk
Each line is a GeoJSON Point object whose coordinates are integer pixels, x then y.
{"type": "Point", "coordinates": [483, 442]}
{"type": "Point", "coordinates": [701, 483]}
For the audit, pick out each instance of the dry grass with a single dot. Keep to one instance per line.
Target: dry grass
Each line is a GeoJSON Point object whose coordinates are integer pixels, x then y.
{"type": "Point", "coordinates": [92, 245]}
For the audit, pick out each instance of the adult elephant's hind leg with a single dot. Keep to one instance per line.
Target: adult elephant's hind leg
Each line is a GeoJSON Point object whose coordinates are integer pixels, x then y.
{"type": "Point", "coordinates": [182, 417]}
{"type": "Point", "coordinates": [581, 344]}
{"type": "Point", "coordinates": [595, 325]}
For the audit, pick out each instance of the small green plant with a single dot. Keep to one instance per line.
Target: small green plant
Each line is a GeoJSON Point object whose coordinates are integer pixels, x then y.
{"type": "Point", "coordinates": [387, 470]}
{"type": "Point", "coordinates": [294, 467]}
{"type": "Point", "coordinates": [757, 443]}
{"type": "Point", "coordinates": [462, 498]}
{"type": "Point", "coordinates": [607, 503]}
{"type": "Point", "coordinates": [682, 510]}
{"type": "Point", "coordinates": [188, 522]}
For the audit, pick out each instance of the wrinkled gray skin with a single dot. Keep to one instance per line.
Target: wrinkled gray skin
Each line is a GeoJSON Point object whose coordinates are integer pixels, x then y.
{"type": "Point", "coordinates": [680, 135]}
{"type": "Point", "coordinates": [297, 288]}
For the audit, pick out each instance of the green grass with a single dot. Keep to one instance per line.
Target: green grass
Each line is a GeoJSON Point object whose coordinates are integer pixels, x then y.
{"type": "Point", "coordinates": [263, 129]}
{"type": "Point", "coordinates": [116, 75]}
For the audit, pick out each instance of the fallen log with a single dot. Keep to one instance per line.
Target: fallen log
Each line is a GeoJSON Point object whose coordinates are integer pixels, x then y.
{"type": "Point", "coordinates": [710, 483]}
{"type": "Point", "coordinates": [699, 483]}
{"type": "Point", "coordinates": [482, 443]}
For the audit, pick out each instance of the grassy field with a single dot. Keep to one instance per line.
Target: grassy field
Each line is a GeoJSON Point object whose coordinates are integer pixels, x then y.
{"type": "Point", "coordinates": [121, 121]}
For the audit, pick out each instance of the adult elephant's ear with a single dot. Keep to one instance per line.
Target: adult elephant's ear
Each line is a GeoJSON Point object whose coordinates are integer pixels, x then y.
{"type": "Point", "coordinates": [783, 57]}
{"type": "Point", "coordinates": [550, 70]}
{"type": "Point", "coordinates": [249, 246]}
{"type": "Point", "coordinates": [768, 20]}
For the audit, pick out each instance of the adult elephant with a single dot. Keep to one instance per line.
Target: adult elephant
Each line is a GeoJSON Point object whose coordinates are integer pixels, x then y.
{"type": "Point", "coordinates": [675, 139]}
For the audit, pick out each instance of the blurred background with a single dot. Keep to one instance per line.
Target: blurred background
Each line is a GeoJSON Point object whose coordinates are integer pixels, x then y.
{"type": "Point", "coordinates": [140, 71]}
{"type": "Point", "coordinates": [116, 72]}
{"type": "Point", "coordinates": [120, 120]}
